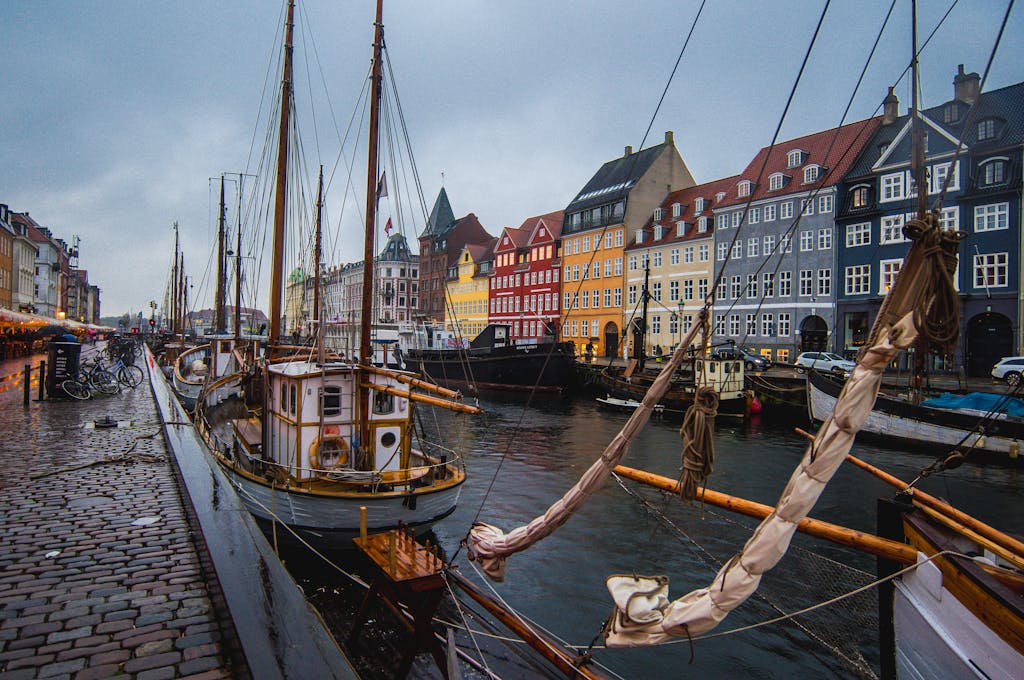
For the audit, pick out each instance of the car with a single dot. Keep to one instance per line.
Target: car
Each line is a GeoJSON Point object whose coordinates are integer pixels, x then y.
{"type": "Point", "coordinates": [1009, 369]}
{"type": "Point", "coordinates": [751, 361]}
{"type": "Point", "coordinates": [824, 361]}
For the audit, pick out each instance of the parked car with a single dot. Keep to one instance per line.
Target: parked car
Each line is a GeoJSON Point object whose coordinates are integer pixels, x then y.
{"type": "Point", "coordinates": [1009, 369]}
{"type": "Point", "coordinates": [824, 361]}
{"type": "Point", "coordinates": [751, 361]}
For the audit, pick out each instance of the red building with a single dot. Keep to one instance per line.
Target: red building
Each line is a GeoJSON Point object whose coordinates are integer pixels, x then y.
{"type": "Point", "coordinates": [524, 288]}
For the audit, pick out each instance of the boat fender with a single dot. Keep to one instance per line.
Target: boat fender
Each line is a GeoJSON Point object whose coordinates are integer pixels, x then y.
{"type": "Point", "coordinates": [341, 446]}
{"type": "Point", "coordinates": [755, 406]}
{"type": "Point", "coordinates": [1014, 450]}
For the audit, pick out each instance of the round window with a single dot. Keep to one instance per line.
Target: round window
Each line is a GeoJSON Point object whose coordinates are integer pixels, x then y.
{"type": "Point", "coordinates": [388, 439]}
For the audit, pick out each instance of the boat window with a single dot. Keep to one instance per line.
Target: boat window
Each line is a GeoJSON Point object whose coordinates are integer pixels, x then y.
{"type": "Point", "coordinates": [330, 400]}
{"type": "Point", "coordinates": [284, 397]}
{"type": "Point", "coordinates": [225, 346]}
{"type": "Point", "coordinates": [292, 409]}
{"type": "Point", "coordinates": [383, 403]}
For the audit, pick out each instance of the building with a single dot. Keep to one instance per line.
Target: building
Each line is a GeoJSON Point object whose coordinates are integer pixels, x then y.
{"type": "Point", "coordinates": [23, 264]}
{"type": "Point", "coordinates": [774, 244]}
{"type": "Point", "coordinates": [6, 260]}
{"type": "Point", "coordinates": [599, 222]}
{"type": "Point", "coordinates": [468, 289]}
{"type": "Point", "coordinates": [976, 191]}
{"type": "Point", "coordinates": [673, 252]}
{"type": "Point", "coordinates": [524, 291]}
{"type": "Point", "coordinates": [49, 293]}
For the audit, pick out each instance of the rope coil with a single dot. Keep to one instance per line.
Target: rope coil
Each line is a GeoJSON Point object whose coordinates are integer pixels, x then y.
{"type": "Point", "coordinates": [697, 431]}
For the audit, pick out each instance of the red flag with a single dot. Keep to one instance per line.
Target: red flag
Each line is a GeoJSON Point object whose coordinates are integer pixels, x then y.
{"type": "Point", "coordinates": [387, 228]}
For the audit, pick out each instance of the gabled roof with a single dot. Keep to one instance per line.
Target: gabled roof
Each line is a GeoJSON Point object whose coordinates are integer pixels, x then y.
{"type": "Point", "coordinates": [615, 178]}
{"type": "Point", "coordinates": [833, 150]}
{"type": "Point", "coordinates": [396, 249]}
{"type": "Point", "coordinates": [441, 216]}
{"type": "Point", "coordinates": [511, 238]}
{"type": "Point", "coordinates": [552, 223]}
{"type": "Point", "coordinates": [687, 198]}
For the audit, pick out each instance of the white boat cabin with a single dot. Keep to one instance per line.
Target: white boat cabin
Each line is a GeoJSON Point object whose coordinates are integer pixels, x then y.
{"type": "Point", "coordinates": [724, 375]}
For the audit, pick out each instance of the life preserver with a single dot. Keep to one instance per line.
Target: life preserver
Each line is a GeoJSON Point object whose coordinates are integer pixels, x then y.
{"type": "Point", "coordinates": [339, 444]}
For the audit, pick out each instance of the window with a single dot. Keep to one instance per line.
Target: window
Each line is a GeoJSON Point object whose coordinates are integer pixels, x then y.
{"type": "Point", "coordinates": [719, 325]}
{"type": "Point", "coordinates": [607, 240]}
{"type": "Point", "coordinates": [794, 158]}
{"type": "Point", "coordinates": [735, 288]}
{"type": "Point", "coordinates": [702, 225]}
{"type": "Point", "coordinates": [990, 270]}
{"type": "Point", "coordinates": [737, 250]}
{"type": "Point", "coordinates": [595, 298]}
{"type": "Point", "coordinates": [859, 197]}
{"type": "Point", "coordinates": [576, 272]}
{"type": "Point", "coordinates": [824, 282]}
{"type": "Point", "coordinates": [806, 282]}
{"type": "Point", "coordinates": [703, 252]}
{"type": "Point", "coordinates": [937, 178]}
{"type": "Point", "coordinates": [807, 206]}
{"type": "Point", "coordinates": [721, 221]}
{"type": "Point", "coordinates": [656, 324]}
{"type": "Point", "coordinates": [743, 188]}
{"type": "Point", "coordinates": [751, 324]}
{"type": "Point", "coordinates": [618, 234]}
{"type": "Point", "coordinates": [753, 246]}
{"type": "Point", "coordinates": [767, 325]}
{"type": "Point", "coordinates": [769, 213]}
{"type": "Point", "coordinates": [656, 258]}
{"type": "Point", "coordinates": [887, 271]}
{"type": "Point", "coordinates": [658, 214]}
{"type": "Point", "coordinates": [734, 324]}
{"type": "Point", "coordinates": [858, 279]}
{"type": "Point", "coordinates": [632, 263]}
{"type": "Point", "coordinates": [723, 250]}
{"type": "Point", "coordinates": [680, 228]}
{"type": "Point", "coordinates": [858, 234]}
{"type": "Point", "coordinates": [892, 229]}
{"type": "Point", "coordinates": [631, 295]}
{"type": "Point", "coordinates": [991, 217]}
{"type": "Point", "coordinates": [698, 206]}
{"type": "Point", "coordinates": [687, 289]}
{"type": "Point", "coordinates": [673, 256]}
{"type": "Point", "coordinates": [702, 289]}
{"type": "Point", "coordinates": [768, 283]}
{"type": "Point", "coordinates": [736, 218]}
{"type": "Point", "coordinates": [783, 328]}
{"type": "Point", "coordinates": [986, 129]}
{"type": "Point", "coordinates": [673, 324]}
{"type": "Point", "coordinates": [673, 291]}
{"type": "Point", "coordinates": [676, 209]}
{"type": "Point", "coordinates": [656, 291]}
{"type": "Point", "coordinates": [754, 216]}
{"type": "Point", "coordinates": [720, 294]}
{"type": "Point", "coordinates": [825, 238]}
{"type": "Point", "coordinates": [751, 285]}
{"type": "Point", "coordinates": [806, 240]}
{"type": "Point", "coordinates": [786, 243]}
{"type": "Point", "coordinates": [892, 187]}
{"type": "Point", "coordinates": [992, 172]}
{"type": "Point", "coordinates": [595, 270]}
{"type": "Point", "coordinates": [811, 174]}
{"type": "Point", "coordinates": [608, 267]}
{"type": "Point", "coordinates": [688, 254]}
{"type": "Point", "coordinates": [617, 297]}
{"type": "Point", "coordinates": [586, 244]}
{"type": "Point", "coordinates": [949, 218]}
{"type": "Point", "coordinates": [786, 210]}
{"type": "Point", "coordinates": [825, 203]}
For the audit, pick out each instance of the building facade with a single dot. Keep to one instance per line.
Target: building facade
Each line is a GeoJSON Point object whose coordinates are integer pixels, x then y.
{"type": "Point", "coordinates": [599, 222]}
{"type": "Point", "coordinates": [976, 191]}
{"type": "Point", "coordinates": [6, 262]}
{"type": "Point", "coordinates": [524, 290]}
{"type": "Point", "coordinates": [468, 289]}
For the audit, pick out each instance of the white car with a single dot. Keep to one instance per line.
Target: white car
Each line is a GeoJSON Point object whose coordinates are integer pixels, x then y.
{"type": "Point", "coordinates": [1009, 369]}
{"type": "Point", "coordinates": [824, 361]}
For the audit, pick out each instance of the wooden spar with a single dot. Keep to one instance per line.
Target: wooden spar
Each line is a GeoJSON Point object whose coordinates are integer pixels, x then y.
{"type": "Point", "coordinates": [424, 398]}
{"type": "Point", "coordinates": [174, 286]}
{"type": "Point", "coordinates": [316, 269]}
{"type": "Point", "coordinates": [281, 190]}
{"type": "Point", "coordinates": [219, 322]}
{"type": "Point", "coordinates": [869, 543]}
{"type": "Point", "coordinates": [1006, 541]}
{"type": "Point", "coordinates": [545, 646]}
{"type": "Point", "coordinates": [1016, 560]}
{"type": "Point", "coordinates": [238, 265]}
{"type": "Point", "coordinates": [415, 382]}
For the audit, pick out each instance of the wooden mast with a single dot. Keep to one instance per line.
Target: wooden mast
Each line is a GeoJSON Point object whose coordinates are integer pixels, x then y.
{"type": "Point", "coordinates": [281, 192]}
{"type": "Point", "coordinates": [365, 353]}
{"type": "Point", "coordinates": [317, 247]}
{"type": "Point", "coordinates": [220, 323]}
{"type": "Point", "coordinates": [918, 172]}
{"type": "Point", "coordinates": [174, 286]}
{"type": "Point", "coordinates": [238, 264]}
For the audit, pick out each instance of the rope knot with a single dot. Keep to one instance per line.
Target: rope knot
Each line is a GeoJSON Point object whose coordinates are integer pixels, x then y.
{"type": "Point", "coordinates": [697, 432]}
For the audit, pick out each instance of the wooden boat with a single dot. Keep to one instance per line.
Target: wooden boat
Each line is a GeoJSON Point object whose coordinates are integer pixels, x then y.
{"type": "Point", "coordinates": [900, 420]}
{"type": "Point", "coordinates": [616, 404]}
{"type": "Point", "coordinates": [725, 375]}
{"type": "Point", "coordinates": [311, 440]}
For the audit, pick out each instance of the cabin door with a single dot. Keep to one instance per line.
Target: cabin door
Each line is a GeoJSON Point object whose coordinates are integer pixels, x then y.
{"type": "Point", "coordinates": [813, 334]}
{"type": "Point", "coordinates": [611, 340]}
{"type": "Point", "coordinates": [989, 339]}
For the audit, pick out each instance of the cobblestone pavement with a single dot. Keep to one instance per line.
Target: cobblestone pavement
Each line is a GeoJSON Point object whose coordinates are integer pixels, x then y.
{"type": "Point", "coordinates": [99, 573]}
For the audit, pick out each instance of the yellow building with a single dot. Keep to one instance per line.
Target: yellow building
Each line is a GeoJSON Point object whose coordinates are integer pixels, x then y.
{"type": "Point", "coordinates": [468, 288]}
{"type": "Point", "coordinates": [600, 222]}
{"type": "Point", "coordinates": [677, 245]}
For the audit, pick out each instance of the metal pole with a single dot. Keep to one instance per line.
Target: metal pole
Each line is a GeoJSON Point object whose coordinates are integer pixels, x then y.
{"type": "Point", "coordinates": [28, 382]}
{"type": "Point", "coordinates": [42, 379]}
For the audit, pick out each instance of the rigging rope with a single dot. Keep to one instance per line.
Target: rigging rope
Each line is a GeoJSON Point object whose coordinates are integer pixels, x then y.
{"type": "Point", "coordinates": [698, 433]}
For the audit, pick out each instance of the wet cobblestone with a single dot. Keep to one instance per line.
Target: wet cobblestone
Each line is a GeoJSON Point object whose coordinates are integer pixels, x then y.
{"type": "Point", "coordinates": [87, 590]}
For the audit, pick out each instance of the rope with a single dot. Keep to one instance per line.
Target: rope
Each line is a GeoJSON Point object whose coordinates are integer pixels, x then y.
{"type": "Point", "coordinates": [698, 435]}
{"type": "Point", "coordinates": [123, 457]}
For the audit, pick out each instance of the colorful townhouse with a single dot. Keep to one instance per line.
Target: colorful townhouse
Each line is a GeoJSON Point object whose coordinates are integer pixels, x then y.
{"type": "Point", "coordinates": [599, 222]}
{"type": "Point", "coordinates": [976, 191]}
{"type": "Point", "coordinates": [673, 254]}
{"type": "Point", "coordinates": [775, 244]}
{"type": "Point", "coordinates": [468, 289]}
{"type": "Point", "coordinates": [525, 286]}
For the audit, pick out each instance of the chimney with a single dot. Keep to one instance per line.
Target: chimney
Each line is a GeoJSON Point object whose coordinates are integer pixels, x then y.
{"type": "Point", "coordinates": [629, 150]}
{"type": "Point", "coordinates": [891, 108]}
{"type": "Point", "coordinates": [966, 86]}
{"type": "Point", "coordinates": [3, 212]}
{"type": "Point", "coordinates": [669, 137]}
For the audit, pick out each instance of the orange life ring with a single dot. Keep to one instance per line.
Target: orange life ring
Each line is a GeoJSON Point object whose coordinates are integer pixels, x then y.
{"type": "Point", "coordinates": [338, 443]}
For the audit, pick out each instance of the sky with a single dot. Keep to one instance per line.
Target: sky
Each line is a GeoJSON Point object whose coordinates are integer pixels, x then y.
{"type": "Point", "coordinates": [118, 113]}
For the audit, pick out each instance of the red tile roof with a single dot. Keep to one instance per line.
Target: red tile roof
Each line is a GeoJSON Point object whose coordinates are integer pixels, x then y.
{"type": "Point", "coordinates": [687, 198]}
{"type": "Point", "coordinates": [552, 221]}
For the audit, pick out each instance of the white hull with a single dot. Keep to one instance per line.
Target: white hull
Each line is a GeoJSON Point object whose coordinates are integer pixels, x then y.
{"type": "Point", "coordinates": [937, 637]}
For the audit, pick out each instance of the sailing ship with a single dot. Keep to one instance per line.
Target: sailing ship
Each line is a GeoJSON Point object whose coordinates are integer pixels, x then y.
{"type": "Point", "coordinates": [310, 439]}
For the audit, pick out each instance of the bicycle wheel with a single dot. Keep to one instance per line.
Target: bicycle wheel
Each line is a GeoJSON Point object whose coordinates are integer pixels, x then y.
{"type": "Point", "coordinates": [130, 376]}
{"type": "Point", "coordinates": [104, 382]}
{"type": "Point", "coordinates": [75, 389]}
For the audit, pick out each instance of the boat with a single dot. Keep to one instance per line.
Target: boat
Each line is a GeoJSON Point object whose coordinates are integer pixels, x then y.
{"type": "Point", "coordinates": [323, 444]}
{"type": "Point", "coordinates": [972, 429]}
{"type": "Point", "coordinates": [616, 404]}
{"type": "Point", "coordinates": [491, 360]}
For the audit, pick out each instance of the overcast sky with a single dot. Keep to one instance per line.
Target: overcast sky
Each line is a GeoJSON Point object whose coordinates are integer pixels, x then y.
{"type": "Point", "coordinates": [117, 112]}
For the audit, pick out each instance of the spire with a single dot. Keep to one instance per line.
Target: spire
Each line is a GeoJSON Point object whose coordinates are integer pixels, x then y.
{"type": "Point", "coordinates": [440, 217]}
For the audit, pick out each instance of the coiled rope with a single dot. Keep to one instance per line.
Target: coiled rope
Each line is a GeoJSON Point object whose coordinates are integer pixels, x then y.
{"type": "Point", "coordinates": [697, 431]}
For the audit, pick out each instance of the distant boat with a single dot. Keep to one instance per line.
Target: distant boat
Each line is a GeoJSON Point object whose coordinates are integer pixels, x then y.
{"type": "Point", "coordinates": [616, 404]}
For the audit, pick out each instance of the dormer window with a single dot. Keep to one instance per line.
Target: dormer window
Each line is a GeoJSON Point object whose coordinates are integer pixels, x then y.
{"type": "Point", "coordinates": [698, 206]}
{"type": "Point", "coordinates": [676, 209]}
{"type": "Point", "coordinates": [776, 181]}
{"type": "Point", "coordinates": [640, 236]}
{"type": "Point", "coordinates": [859, 197]}
{"type": "Point", "coordinates": [993, 172]}
{"type": "Point", "coordinates": [658, 232]}
{"type": "Point", "coordinates": [986, 129]}
{"type": "Point", "coordinates": [657, 214]}
{"type": "Point", "coordinates": [702, 225]}
{"type": "Point", "coordinates": [719, 196]}
{"type": "Point", "coordinates": [681, 227]}
{"type": "Point", "coordinates": [951, 113]}
{"type": "Point", "coordinates": [743, 189]}
{"type": "Point", "coordinates": [794, 158]}
{"type": "Point", "coordinates": [811, 174]}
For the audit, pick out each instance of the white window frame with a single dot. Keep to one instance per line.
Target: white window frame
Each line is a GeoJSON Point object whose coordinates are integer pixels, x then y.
{"type": "Point", "coordinates": [888, 270]}
{"type": "Point", "coordinates": [891, 229]}
{"type": "Point", "coordinates": [893, 187]}
{"type": "Point", "coordinates": [858, 234]}
{"type": "Point", "coordinates": [991, 264]}
{"type": "Point", "coordinates": [769, 213]}
{"type": "Point", "coordinates": [753, 246]}
{"type": "Point", "coordinates": [992, 217]}
{"type": "Point", "coordinates": [857, 279]}
{"type": "Point", "coordinates": [825, 203]}
{"type": "Point", "coordinates": [785, 210]}
{"type": "Point", "coordinates": [825, 238]}
{"type": "Point", "coordinates": [806, 240]}
{"type": "Point", "coordinates": [776, 181]}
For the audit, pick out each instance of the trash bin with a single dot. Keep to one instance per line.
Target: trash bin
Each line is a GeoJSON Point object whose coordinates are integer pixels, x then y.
{"type": "Point", "coordinates": [61, 364]}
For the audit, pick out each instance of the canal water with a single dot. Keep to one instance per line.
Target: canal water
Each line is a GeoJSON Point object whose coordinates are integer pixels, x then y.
{"type": "Point", "coordinates": [522, 456]}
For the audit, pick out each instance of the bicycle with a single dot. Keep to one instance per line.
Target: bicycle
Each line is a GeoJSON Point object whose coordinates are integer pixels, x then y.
{"type": "Point", "coordinates": [127, 374]}
{"type": "Point", "coordinates": [76, 389]}
{"type": "Point", "coordinates": [99, 379]}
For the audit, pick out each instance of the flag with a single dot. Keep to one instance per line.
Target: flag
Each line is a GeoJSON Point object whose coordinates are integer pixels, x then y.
{"type": "Point", "coordinates": [387, 228]}
{"type": "Point", "coordinates": [382, 185]}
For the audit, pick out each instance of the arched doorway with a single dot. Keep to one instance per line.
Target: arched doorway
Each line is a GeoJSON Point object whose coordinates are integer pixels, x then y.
{"type": "Point", "coordinates": [611, 339]}
{"type": "Point", "coordinates": [989, 339]}
{"type": "Point", "coordinates": [813, 334]}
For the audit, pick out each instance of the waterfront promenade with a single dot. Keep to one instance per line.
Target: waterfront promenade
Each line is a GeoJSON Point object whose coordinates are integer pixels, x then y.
{"type": "Point", "coordinates": [99, 571]}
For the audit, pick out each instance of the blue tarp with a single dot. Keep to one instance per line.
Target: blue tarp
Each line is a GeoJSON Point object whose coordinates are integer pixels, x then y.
{"type": "Point", "coordinates": [979, 401]}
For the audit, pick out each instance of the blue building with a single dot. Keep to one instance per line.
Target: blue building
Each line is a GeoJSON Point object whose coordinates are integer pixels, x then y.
{"type": "Point", "coordinates": [977, 191]}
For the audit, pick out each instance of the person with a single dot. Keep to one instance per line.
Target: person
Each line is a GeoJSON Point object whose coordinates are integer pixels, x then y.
{"type": "Point", "coordinates": [590, 352]}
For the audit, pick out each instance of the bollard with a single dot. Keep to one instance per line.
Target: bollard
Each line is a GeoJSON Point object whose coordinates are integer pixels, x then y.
{"type": "Point", "coordinates": [362, 522]}
{"type": "Point", "coordinates": [42, 380]}
{"type": "Point", "coordinates": [27, 379]}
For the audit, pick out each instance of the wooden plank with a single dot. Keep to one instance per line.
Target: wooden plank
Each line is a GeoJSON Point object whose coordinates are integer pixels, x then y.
{"type": "Point", "coordinates": [401, 556]}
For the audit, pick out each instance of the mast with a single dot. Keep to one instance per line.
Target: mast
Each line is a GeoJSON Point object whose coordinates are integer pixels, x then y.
{"type": "Point", "coordinates": [174, 286]}
{"type": "Point", "coordinates": [640, 337]}
{"type": "Point", "coordinates": [365, 355]}
{"type": "Point", "coordinates": [219, 322]}
{"type": "Point", "coordinates": [919, 172]}
{"type": "Point", "coordinates": [281, 194]}
{"type": "Point", "coordinates": [238, 264]}
{"type": "Point", "coordinates": [316, 265]}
